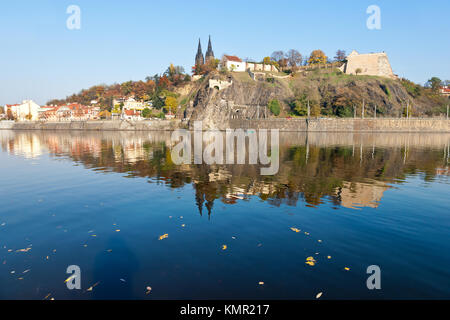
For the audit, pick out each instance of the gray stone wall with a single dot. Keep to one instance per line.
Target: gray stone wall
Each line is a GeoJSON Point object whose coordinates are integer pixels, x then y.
{"type": "Point", "coordinates": [287, 125]}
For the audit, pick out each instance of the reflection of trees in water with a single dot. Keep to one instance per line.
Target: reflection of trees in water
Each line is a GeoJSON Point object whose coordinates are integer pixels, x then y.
{"type": "Point", "coordinates": [341, 174]}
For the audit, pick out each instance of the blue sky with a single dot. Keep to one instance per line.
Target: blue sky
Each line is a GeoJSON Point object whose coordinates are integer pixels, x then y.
{"type": "Point", "coordinates": [118, 41]}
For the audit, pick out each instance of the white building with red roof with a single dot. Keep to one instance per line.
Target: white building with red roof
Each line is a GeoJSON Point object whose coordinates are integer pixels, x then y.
{"type": "Point", "coordinates": [234, 63]}
{"type": "Point", "coordinates": [133, 115]}
{"type": "Point", "coordinates": [445, 91]}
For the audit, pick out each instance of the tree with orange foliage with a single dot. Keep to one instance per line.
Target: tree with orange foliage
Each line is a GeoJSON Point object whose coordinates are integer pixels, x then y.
{"type": "Point", "coordinates": [317, 57]}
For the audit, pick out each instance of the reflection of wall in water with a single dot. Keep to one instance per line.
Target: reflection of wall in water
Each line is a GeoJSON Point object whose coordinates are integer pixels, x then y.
{"type": "Point", "coordinates": [357, 195]}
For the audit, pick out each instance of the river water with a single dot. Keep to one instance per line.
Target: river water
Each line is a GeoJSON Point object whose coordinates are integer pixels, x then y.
{"type": "Point", "coordinates": [114, 204]}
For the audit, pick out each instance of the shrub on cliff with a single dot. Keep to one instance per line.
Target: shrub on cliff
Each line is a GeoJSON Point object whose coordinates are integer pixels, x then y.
{"type": "Point", "coordinates": [274, 107]}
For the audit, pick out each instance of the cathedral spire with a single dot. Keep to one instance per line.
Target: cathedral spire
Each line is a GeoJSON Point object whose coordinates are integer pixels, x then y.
{"type": "Point", "coordinates": [199, 59]}
{"type": "Point", "coordinates": [210, 53]}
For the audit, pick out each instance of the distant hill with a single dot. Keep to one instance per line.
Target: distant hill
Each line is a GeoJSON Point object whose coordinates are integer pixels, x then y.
{"type": "Point", "coordinates": [328, 92]}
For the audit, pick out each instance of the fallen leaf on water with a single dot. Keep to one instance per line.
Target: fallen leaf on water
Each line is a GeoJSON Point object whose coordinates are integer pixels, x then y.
{"type": "Point", "coordinates": [183, 225]}
{"type": "Point", "coordinates": [93, 286]}
{"type": "Point", "coordinates": [28, 270]}
{"type": "Point", "coordinates": [149, 289]}
{"type": "Point", "coordinates": [47, 296]}
{"type": "Point", "coordinates": [118, 230]}
{"type": "Point", "coordinates": [123, 280]}
{"type": "Point", "coordinates": [329, 257]}
{"type": "Point", "coordinates": [307, 233]}
{"type": "Point", "coordinates": [109, 250]}
{"type": "Point", "coordinates": [24, 250]}
{"type": "Point", "coordinates": [164, 236]}
{"type": "Point", "coordinates": [346, 269]}
{"type": "Point", "coordinates": [261, 283]}
{"type": "Point", "coordinates": [310, 261]}
{"type": "Point", "coordinates": [94, 235]}
{"type": "Point", "coordinates": [224, 247]}
{"type": "Point", "coordinates": [319, 295]}
{"type": "Point", "coordinates": [295, 230]}
{"type": "Point", "coordinates": [234, 238]}
{"type": "Point", "coordinates": [319, 240]}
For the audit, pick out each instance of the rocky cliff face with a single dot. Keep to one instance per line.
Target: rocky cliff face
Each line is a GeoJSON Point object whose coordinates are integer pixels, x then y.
{"type": "Point", "coordinates": [244, 99]}
{"type": "Point", "coordinates": [335, 93]}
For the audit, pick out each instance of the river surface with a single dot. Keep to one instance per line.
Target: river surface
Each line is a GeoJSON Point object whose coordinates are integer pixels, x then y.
{"type": "Point", "coordinates": [141, 227]}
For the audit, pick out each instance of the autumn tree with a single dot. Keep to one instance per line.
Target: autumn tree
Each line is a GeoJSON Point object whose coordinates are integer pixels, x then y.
{"type": "Point", "coordinates": [171, 104]}
{"type": "Point", "coordinates": [317, 57]}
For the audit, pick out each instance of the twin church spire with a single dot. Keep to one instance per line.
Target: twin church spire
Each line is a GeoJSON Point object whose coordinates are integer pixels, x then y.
{"type": "Point", "coordinates": [199, 59]}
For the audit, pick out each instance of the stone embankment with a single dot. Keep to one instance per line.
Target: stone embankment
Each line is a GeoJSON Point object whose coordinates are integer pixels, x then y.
{"type": "Point", "coordinates": [155, 125]}
{"type": "Point", "coordinates": [284, 125]}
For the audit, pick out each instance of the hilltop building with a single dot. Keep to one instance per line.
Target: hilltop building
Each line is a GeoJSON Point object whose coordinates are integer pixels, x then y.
{"type": "Point", "coordinates": [371, 64]}
{"type": "Point", "coordinates": [235, 64]}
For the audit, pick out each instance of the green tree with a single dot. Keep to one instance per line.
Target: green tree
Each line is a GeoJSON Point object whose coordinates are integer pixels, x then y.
{"type": "Point", "coordinates": [274, 107]}
{"type": "Point", "coordinates": [434, 83]}
{"type": "Point", "coordinates": [146, 113]}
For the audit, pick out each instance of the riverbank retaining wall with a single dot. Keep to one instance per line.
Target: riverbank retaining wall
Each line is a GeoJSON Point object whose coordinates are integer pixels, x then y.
{"type": "Point", "coordinates": [284, 125]}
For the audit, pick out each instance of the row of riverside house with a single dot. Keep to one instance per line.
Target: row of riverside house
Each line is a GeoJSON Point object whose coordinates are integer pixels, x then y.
{"type": "Point", "coordinates": [28, 110]}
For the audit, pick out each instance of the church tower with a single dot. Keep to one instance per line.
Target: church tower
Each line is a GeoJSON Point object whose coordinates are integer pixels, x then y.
{"type": "Point", "coordinates": [210, 53]}
{"type": "Point", "coordinates": [199, 59]}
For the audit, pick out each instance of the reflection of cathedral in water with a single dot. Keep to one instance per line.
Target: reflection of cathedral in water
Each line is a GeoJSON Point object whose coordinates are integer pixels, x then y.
{"type": "Point", "coordinates": [351, 175]}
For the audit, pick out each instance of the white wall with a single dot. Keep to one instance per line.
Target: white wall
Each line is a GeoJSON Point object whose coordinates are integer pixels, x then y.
{"type": "Point", "coordinates": [238, 66]}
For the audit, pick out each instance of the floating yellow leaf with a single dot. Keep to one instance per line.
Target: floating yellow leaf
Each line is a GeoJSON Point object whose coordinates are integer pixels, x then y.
{"type": "Point", "coordinates": [261, 283]}
{"type": "Point", "coordinates": [319, 240]}
{"type": "Point", "coordinates": [310, 261]}
{"type": "Point", "coordinates": [224, 247]}
{"type": "Point", "coordinates": [319, 295]}
{"type": "Point", "coordinates": [329, 257]}
{"type": "Point", "coordinates": [295, 230]}
{"type": "Point", "coordinates": [346, 269]}
{"type": "Point", "coordinates": [164, 236]}
{"type": "Point", "coordinates": [118, 230]}
{"type": "Point", "coordinates": [93, 286]}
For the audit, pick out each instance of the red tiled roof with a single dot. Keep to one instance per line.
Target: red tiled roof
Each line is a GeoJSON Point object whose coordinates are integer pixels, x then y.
{"type": "Point", "coordinates": [131, 112]}
{"type": "Point", "coordinates": [233, 58]}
